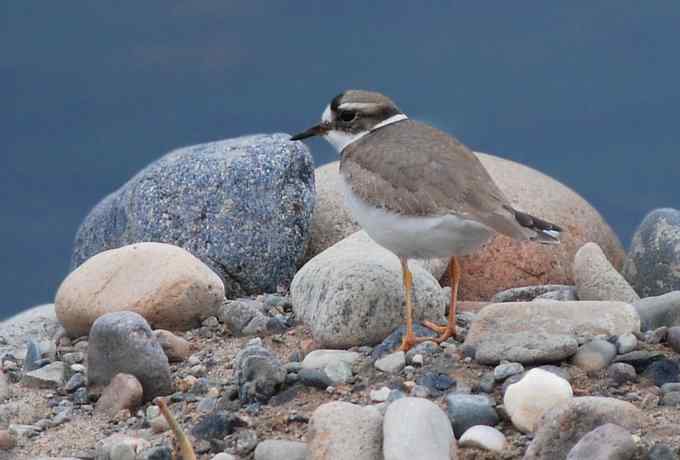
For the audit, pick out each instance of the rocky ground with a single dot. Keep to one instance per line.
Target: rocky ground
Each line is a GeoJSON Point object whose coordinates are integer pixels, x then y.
{"type": "Point", "coordinates": [570, 363]}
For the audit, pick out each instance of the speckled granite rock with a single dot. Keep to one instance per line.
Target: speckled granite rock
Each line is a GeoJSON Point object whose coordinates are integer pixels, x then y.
{"type": "Point", "coordinates": [243, 206]}
{"type": "Point", "coordinates": [352, 294]}
{"type": "Point", "coordinates": [653, 257]}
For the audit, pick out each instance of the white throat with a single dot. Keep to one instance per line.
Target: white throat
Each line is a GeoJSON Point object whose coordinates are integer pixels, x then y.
{"type": "Point", "coordinates": [339, 139]}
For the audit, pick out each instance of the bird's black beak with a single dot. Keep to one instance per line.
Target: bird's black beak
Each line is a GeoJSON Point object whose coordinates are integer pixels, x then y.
{"type": "Point", "coordinates": [317, 130]}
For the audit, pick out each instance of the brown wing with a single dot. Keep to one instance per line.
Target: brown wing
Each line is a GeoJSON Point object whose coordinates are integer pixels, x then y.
{"type": "Point", "coordinates": [411, 168]}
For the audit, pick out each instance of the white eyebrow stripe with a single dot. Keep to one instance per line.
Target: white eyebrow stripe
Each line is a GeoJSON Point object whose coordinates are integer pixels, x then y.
{"type": "Point", "coordinates": [357, 105]}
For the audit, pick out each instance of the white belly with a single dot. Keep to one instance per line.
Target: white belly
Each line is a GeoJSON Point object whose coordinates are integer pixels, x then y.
{"type": "Point", "coordinates": [418, 237]}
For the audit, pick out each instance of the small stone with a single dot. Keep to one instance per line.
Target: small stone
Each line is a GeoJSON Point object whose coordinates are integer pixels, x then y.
{"type": "Point", "coordinates": [505, 370]}
{"type": "Point", "coordinates": [527, 293]}
{"type": "Point", "coordinates": [435, 382]}
{"type": "Point", "coordinates": [195, 360]}
{"type": "Point", "coordinates": [483, 437]}
{"type": "Point", "coordinates": [380, 395]}
{"type": "Point", "coordinates": [73, 358]}
{"type": "Point", "coordinates": [423, 348]}
{"type": "Point", "coordinates": [76, 381]}
{"type": "Point", "coordinates": [123, 392]}
{"type": "Point", "coordinates": [216, 426]}
{"type": "Point", "coordinates": [78, 368]}
{"type": "Point", "coordinates": [33, 355]}
{"type": "Point", "coordinates": [241, 443]}
{"type": "Point", "coordinates": [7, 441]}
{"type": "Point", "coordinates": [416, 428]}
{"type": "Point", "coordinates": [122, 342]}
{"type": "Point", "coordinates": [158, 453]}
{"type": "Point", "coordinates": [50, 376]}
{"type": "Point", "coordinates": [281, 450]}
{"type": "Point", "coordinates": [5, 391]}
{"type": "Point", "coordinates": [670, 387]}
{"type": "Point", "coordinates": [674, 338]}
{"type": "Point", "coordinates": [420, 391]}
{"type": "Point", "coordinates": [121, 447]}
{"type": "Point", "coordinates": [671, 399]}
{"type": "Point", "coordinates": [620, 373]}
{"type": "Point", "coordinates": [122, 452]}
{"type": "Point", "coordinates": [663, 371]}
{"type": "Point", "coordinates": [392, 363]}
{"type": "Point", "coordinates": [538, 391]}
{"type": "Point", "coordinates": [319, 359]}
{"type": "Point", "coordinates": [315, 378]}
{"type": "Point", "coordinates": [176, 348]}
{"type": "Point", "coordinates": [81, 396]}
{"type": "Point", "coordinates": [339, 372]}
{"type": "Point", "coordinates": [259, 373]}
{"type": "Point", "coordinates": [343, 431]}
{"type": "Point", "coordinates": [487, 382]}
{"type": "Point", "coordinates": [594, 355]}
{"type": "Point", "coordinates": [564, 425]}
{"type": "Point", "coordinates": [224, 456]}
{"type": "Point", "coordinates": [626, 343]}
{"type": "Point", "coordinates": [640, 359]}
{"type": "Point", "coordinates": [661, 452]}
{"type": "Point", "coordinates": [656, 336]}
{"type": "Point", "coordinates": [608, 441]}
{"type": "Point", "coordinates": [465, 411]}
{"type": "Point", "coordinates": [207, 405]}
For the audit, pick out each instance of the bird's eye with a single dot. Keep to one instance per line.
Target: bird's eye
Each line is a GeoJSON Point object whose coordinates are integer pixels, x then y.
{"type": "Point", "coordinates": [347, 115]}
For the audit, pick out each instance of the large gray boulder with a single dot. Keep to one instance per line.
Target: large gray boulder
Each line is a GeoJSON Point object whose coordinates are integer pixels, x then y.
{"type": "Point", "coordinates": [654, 254]}
{"type": "Point", "coordinates": [243, 206]}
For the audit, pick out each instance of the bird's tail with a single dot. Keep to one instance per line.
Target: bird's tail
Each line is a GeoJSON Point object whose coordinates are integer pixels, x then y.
{"type": "Point", "coordinates": [544, 232]}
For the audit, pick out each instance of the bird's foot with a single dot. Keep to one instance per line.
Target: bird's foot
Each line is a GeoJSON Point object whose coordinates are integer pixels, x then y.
{"type": "Point", "coordinates": [410, 341]}
{"type": "Point", "coordinates": [445, 332]}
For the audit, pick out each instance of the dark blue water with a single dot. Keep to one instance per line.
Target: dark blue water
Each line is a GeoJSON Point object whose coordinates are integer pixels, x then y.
{"type": "Point", "coordinates": [587, 92]}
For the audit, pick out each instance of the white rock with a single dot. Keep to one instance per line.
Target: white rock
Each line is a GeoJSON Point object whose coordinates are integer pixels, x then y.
{"type": "Point", "coordinates": [538, 391]}
{"type": "Point", "coordinates": [416, 428]}
{"type": "Point", "coordinates": [318, 359]}
{"type": "Point", "coordinates": [626, 343]}
{"type": "Point", "coordinates": [392, 363]}
{"type": "Point", "coordinates": [224, 456]}
{"type": "Point", "coordinates": [380, 395]}
{"type": "Point", "coordinates": [483, 437]}
{"type": "Point", "coordinates": [343, 431]}
{"type": "Point", "coordinates": [352, 293]}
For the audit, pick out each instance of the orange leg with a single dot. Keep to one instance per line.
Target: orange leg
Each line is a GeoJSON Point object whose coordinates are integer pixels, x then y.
{"type": "Point", "coordinates": [450, 329]}
{"type": "Point", "coordinates": [410, 338]}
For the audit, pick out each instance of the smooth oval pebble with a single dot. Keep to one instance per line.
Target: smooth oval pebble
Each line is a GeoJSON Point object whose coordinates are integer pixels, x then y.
{"type": "Point", "coordinates": [527, 400]}
{"type": "Point", "coordinates": [483, 437]}
{"type": "Point", "coordinates": [416, 428]}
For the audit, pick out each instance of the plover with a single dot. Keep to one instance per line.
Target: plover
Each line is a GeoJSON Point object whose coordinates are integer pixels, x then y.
{"type": "Point", "coordinates": [417, 191]}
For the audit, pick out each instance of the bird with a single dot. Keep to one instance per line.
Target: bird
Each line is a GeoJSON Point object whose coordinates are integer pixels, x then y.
{"type": "Point", "coordinates": [418, 192]}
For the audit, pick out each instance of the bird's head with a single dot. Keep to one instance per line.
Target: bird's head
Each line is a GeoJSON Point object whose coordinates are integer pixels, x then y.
{"type": "Point", "coordinates": [351, 115]}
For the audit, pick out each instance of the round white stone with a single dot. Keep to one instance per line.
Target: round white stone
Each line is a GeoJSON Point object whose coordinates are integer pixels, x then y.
{"type": "Point", "coordinates": [538, 391]}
